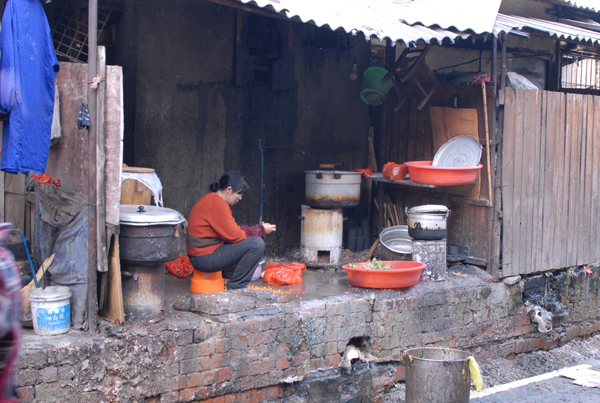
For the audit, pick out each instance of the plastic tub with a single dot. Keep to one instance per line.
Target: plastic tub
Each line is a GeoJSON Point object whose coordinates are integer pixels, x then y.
{"type": "Point", "coordinates": [422, 172]}
{"type": "Point", "coordinates": [403, 274]}
{"type": "Point", "coordinates": [51, 310]}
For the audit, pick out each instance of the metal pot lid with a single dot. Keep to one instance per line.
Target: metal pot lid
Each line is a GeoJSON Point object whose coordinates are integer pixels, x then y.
{"type": "Point", "coordinates": [332, 171]}
{"type": "Point", "coordinates": [133, 214]}
{"type": "Point", "coordinates": [429, 208]}
{"type": "Point", "coordinates": [459, 151]}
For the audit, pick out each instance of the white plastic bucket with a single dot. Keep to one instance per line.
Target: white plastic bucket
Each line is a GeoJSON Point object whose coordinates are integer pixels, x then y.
{"type": "Point", "coordinates": [51, 310]}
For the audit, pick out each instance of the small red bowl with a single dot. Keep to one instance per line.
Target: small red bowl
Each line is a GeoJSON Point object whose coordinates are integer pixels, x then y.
{"type": "Point", "coordinates": [403, 274]}
{"type": "Point", "coordinates": [423, 172]}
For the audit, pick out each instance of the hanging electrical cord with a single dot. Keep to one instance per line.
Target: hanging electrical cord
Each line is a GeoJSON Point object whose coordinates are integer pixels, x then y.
{"type": "Point", "coordinates": [262, 186]}
{"type": "Point", "coordinates": [28, 257]}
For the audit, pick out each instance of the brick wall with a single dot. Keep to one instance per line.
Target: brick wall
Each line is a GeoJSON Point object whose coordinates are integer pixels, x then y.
{"type": "Point", "coordinates": [258, 347]}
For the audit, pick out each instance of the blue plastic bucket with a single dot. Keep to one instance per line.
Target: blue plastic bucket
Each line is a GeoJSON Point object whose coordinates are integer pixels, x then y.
{"type": "Point", "coordinates": [51, 310]}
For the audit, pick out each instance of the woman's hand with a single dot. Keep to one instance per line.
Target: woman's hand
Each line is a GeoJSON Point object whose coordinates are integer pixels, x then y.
{"type": "Point", "coordinates": [269, 227]}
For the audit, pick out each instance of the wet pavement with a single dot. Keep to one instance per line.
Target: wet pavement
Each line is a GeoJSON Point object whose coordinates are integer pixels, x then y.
{"type": "Point", "coordinates": [324, 283]}
{"type": "Point", "coordinates": [318, 284]}
{"type": "Point", "coordinates": [549, 387]}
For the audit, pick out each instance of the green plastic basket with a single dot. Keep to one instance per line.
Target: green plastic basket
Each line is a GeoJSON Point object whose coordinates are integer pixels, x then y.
{"type": "Point", "coordinates": [373, 91]}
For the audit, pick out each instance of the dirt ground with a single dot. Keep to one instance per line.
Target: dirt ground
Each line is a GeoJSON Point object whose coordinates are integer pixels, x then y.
{"type": "Point", "coordinates": [500, 371]}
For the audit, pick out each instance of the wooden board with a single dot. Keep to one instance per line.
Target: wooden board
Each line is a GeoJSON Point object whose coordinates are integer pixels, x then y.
{"type": "Point", "coordinates": [585, 183]}
{"type": "Point", "coordinates": [551, 201]}
{"type": "Point", "coordinates": [574, 113]}
{"type": "Point", "coordinates": [447, 123]}
{"type": "Point", "coordinates": [113, 310]}
{"type": "Point", "coordinates": [115, 128]}
{"type": "Point", "coordinates": [508, 173]}
{"type": "Point", "coordinates": [135, 192]}
{"type": "Point", "coordinates": [137, 170]}
{"type": "Point", "coordinates": [549, 117]}
{"type": "Point", "coordinates": [102, 247]}
{"type": "Point", "coordinates": [595, 202]}
{"type": "Point", "coordinates": [560, 182]}
{"type": "Point", "coordinates": [519, 202]}
{"type": "Point", "coordinates": [68, 158]}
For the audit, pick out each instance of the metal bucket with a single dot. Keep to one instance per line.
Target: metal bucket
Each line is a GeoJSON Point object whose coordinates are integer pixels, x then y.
{"type": "Point", "coordinates": [437, 375]}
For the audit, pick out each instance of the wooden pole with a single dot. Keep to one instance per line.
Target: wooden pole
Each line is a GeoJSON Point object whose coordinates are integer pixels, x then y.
{"type": "Point", "coordinates": [487, 145]}
{"type": "Point", "coordinates": [92, 278]}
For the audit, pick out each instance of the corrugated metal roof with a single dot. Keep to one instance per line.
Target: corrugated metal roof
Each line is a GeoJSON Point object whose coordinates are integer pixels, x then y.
{"type": "Point", "coordinates": [405, 20]}
{"type": "Point", "coordinates": [505, 23]}
{"type": "Point", "coordinates": [587, 4]}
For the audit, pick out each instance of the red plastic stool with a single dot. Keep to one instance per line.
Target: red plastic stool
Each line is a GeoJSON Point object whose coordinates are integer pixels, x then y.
{"type": "Point", "coordinates": [207, 283]}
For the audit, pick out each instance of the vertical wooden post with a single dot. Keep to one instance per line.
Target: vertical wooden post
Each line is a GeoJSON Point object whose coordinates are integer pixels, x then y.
{"type": "Point", "coordinates": [92, 297]}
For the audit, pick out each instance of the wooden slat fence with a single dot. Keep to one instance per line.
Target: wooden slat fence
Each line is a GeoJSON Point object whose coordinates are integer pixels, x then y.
{"type": "Point", "coordinates": [550, 181]}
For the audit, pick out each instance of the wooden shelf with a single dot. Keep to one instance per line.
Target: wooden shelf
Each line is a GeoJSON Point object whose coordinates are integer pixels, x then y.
{"type": "Point", "coordinates": [378, 177]}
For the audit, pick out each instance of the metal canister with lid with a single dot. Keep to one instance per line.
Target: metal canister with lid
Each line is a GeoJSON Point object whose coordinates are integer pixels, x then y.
{"type": "Point", "coordinates": [427, 222]}
{"type": "Point", "coordinates": [149, 238]}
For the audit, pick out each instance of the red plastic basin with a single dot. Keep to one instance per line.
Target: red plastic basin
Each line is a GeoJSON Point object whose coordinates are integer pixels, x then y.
{"type": "Point", "coordinates": [403, 274]}
{"type": "Point", "coordinates": [423, 172]}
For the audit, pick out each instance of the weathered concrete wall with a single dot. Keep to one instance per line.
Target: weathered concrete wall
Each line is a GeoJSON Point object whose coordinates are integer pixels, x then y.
{"type": "Point", "coordinates": [193, 121]}
{"type": "Point", "coordinates": [256, 346]}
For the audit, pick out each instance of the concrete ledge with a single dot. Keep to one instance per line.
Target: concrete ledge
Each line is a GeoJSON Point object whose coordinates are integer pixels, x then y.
{"type": "Point", "coordinates": [258, 345]}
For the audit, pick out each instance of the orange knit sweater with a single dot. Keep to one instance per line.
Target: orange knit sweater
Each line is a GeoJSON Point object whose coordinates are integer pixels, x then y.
{"type": "Point", "coordinates": [211, 218]}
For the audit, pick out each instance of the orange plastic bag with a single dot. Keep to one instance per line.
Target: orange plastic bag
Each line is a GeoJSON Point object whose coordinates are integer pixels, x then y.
{"type": "Point", "coordinates": [394, 172]}
{"type": "Point", "coordinates": [367, 172]}
{"type": "Point", "coordinates": [180, 267]}
{"type": "Point", "coordinates": [284, 273]}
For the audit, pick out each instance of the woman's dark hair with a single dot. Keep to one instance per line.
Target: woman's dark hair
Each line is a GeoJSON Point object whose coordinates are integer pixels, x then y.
{"type": "Point", "coordinates": [232, 178]}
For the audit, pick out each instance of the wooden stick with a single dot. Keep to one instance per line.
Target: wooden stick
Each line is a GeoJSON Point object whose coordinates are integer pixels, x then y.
{"type": "Point", "coordinates": [370, 254]}
{"type": "Point", "coordinates": [25, 303]}
{"type": "Point", "coordinates": [396, 214]}
{"type": "Point", "coordinates": [487, 145]}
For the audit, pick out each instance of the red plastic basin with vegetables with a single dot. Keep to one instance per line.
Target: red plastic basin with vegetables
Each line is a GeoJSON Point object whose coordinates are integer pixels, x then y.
{"type": "Point", "coordinates": [386, 274]}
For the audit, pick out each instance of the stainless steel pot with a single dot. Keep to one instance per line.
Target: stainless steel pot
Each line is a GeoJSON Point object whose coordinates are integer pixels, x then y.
{"type": "Point", "coordinates": [427, 222]}
{"type": "Point", "coordinates": [332, 189]}
{"type": "Point", "coordinates": [395, 243]}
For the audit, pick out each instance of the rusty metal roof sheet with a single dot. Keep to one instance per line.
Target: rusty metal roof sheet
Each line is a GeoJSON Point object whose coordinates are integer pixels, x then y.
{"type": "Point", "coordinates": [405, 20]}
{"type": "Point", "coordinates": [506, 23]}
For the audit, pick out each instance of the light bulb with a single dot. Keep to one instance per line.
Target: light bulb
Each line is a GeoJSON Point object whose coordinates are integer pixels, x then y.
{"type": "Point", "coordinates": [354, 73]}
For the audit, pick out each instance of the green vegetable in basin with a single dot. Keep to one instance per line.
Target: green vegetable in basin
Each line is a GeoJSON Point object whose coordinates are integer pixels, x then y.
{"type": "Point", "coordinates": [373, 265]}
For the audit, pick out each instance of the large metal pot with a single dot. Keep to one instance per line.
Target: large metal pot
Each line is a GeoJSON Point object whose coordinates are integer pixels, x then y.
{"type": "Point", "coordinates": [427, 222]}
{"type": "Point", "coordinates": [149, 238]}
{"type": "Point", "coordinates": [332, 189]}
{"type": "Point", "coordinates": [395, 243]}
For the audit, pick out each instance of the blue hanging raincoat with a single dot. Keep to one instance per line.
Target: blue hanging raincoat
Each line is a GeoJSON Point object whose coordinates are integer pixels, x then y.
{"type": "Point", "coordinates": [28, 68]}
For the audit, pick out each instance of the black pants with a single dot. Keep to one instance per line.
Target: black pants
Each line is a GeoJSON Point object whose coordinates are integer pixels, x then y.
{"type": "Point", "coordinates": [237, 261]}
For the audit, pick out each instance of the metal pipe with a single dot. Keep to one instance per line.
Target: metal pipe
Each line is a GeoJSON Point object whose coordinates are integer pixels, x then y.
{"type": "Point", "coordinates": [92, 301]}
